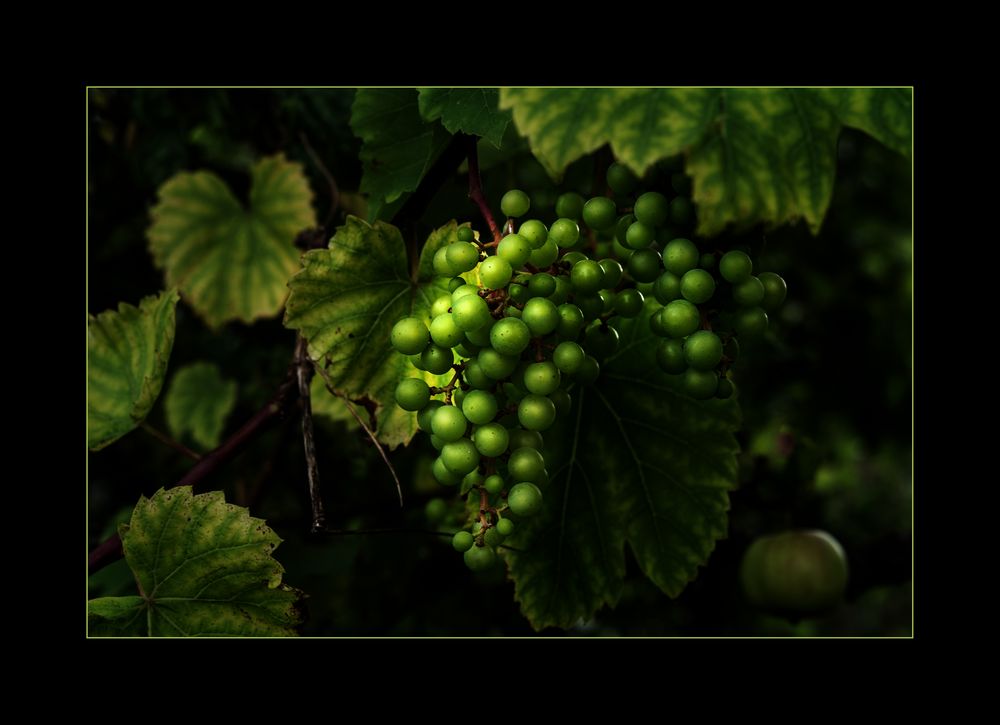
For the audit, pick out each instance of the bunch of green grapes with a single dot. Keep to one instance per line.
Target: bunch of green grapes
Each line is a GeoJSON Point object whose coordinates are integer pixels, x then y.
{"type": "Point", "coordinates": [538, 323]}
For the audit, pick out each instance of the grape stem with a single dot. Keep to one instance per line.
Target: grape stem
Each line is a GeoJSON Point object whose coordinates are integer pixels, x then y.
{"type": "Point", "coordinates": [476, 189]}
{"type": "Point", "coordinates": [303, 375]}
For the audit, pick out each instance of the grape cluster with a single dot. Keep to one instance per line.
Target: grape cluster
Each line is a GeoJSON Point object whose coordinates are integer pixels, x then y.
{"type": "Point", "coordinates": [539, 321]}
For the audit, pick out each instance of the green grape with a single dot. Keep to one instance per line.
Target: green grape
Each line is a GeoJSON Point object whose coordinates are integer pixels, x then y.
{"type": "Point", "coordinates": [466, 234]}
{"type": "Point", "coordinates": [426, 413]}
{"type": "Point", "coordinates": [680, 255]}
{"type": "Point", "coordinates": [519, 293]}
{"type": "Point", "coordinates": [440, 306]}
{"type": "Point", "coordinates": [437, 360]}
{"type": "Point", "coordinates": [409, 336]}
{"type": "Point", "coordinates": [493, 484]}
{"type": "Point", "coordinates": [491, 439]}
{"type": "Point", "coordinates": [505, 527]}
{"type": "Point", "coordinates": [645, 265]}
{"type": "Point", "coordinates": [443, 474]}
{"type": "Point", "coordinates": [775, 290]}
{"type": "Point", "coordinates": [607, 300]}
{"type": "Point", "coordinates": [587, 277]}
{"type": "Point", "coordinates": [479, 338]}
{"type": "Point", "coordinates": [542, 378]}
{"type": "Point", "coordinates": [706, 261]}
{"type": "Point", "coordinates": [656, 323]}
{"type": "Point", "coordinates": [545, 254]}
{"type": "Point", "coordinates": [462, 256]}
{"type": "Point", "coordinates": [749, 292]}
{"type": "Point", "coordinates": [512, 312]}
{"type": "Point", "coordinates": [750, 322]}
{"type": "Point", "coordinates": [600, 214]}
{"type": "Point", "coordinates": [680, 210]}
{"type": "Point", "coordinates": [536, 412]}
{"type": "Point", "coordinates": [628, 302]}
{"type": "Point", "coordinates": [525, 464]}
{"type": "Point", "coordinates": [589, 371]}
{"type": "Point", "coordinates": [480, 558]}
{"type": "Point", "coordinates": [509, 336]}
{"type": "Point", "coordinates": [455, 282]}
{"type": "Point", "coordinates": [441, 266]}
{"type": "Point", "coordinates": [524, 499]}
{"type": "Point", "coordinates": [479, 406]}
{"type": "Point", "coordinates": [435, 510]}
{"type": "Point", "coordinates": [573, 257]}
{"type": "Point", "coordinates": [667, 288]}
{"type": "Point", "coordinates": [681, 318]}
{"type": "Point", "coordinates": [569, 205]}
{"type": "Point", "coordinates": [568, 356]}
{"type": "Point", "coordinates": [471, 313]}
{"type": "Point", "coordinates": [562, 291]}
{"type": "Point", "coordinates": [437, 443]}
{"type": "Point", "coordinates": [458, 397]}
{"type": "Point", "coordinates": [475, 376]}
{"type": "Point", "coordinates": [540, 315]}
{"type": "Point", "coordinates": [651, 208]}
{"type": "Point", "coordinates": [571, 321]}
{"type": "Point", "coordinates": [473, 478]}
{"type": "Point", "coordinates": [521, 438]}
{"type": "Point", "coordinates": [462, 541]}
{"type": "Point", "coordinates": [613, 272]}
{"type": "Point", "coordinates": [448, 423]}
{"type": "Point", "coordinates": [697, 286]}
{"type": "Point", "coordinates": [495, 272]}
{"type": "Point", "coordinates": [700, 384]}
{"type": "Point", "coordinates": [493, 538]}
{"type": "Point", "coordinates": [464, 290]}
{"type": "Point", "coordinates": [592, 306]}
{"type": "Point", "coordinates": [735, 266]}
{"type": "Point", "coordinates": [445, 332]}
{"type": "Point", "coordinates": [703, 350]}
{"type": "Point", "coordinates": [561, 399]}
{"type": "Point", "coordinates": [621, 179]}
{"type": "Point", "coordinates": [670, 356]}
{"type": "Point", "coordinates": [541, 285]}
{"type": "Point", "coordinates": [535, 232]}
{"type": "Point", "coordinates": [601, 341]}
{"type": "Point", "coordinates": [725, 389]}
{"type": "Point", "coordinates": [460, 456]}
{"type": "Point", "coordinates": [639, 235]}
{"type": "Point", "coordinates": [564, 232]}
{"type": "Point", "coordinates": [412, 394]}
{"type": "Point", "coordinates": [515, 250]}
{"type": "Point", "coordinates": [496, 365]}
{"type": "Point", "coordinates": [621, 230]}
{"type": "Point", "coordinates": [515, 203]}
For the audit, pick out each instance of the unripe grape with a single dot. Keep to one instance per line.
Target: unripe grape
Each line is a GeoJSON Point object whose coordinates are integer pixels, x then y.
{"type": "Point", "coordinates": [667, 288]}
{"type": "Point", "coordinates": [524, 499]}
{"type": "Point", "coordinates": [462, 256]}
{"type": "Point", "coordinates": [670, 356]}
{"type": "Point", "coordinates": [639, 235]}
{"type": "Point", "coordinates": [703, 350]}
{"type": "Point", "coordinates": [564, 232]}
{"type": "Point", "coordinates": [466, 234]}
{"type": "Point", "coordinates": [542, 378]}
{"type": "Point", "coordinates": [600, 214]}
{"type": "Point", "coordinates": [445, 332]}
{"type": "Point", "coordinates": [436, 359]}
{"type": "Point", "coordinates": [571, 321]}
{"type": "Point", "coordinates": [589, 371]}
{"type": "Point", "coordinates": [496, 365]}
{"type": "Point", "coordinates": [749, 292]}
{"type": "Point", "coordinates": [587, 277]}
{"type": "Point", "coordinates": [462, 541]}
{"type": "Point", "coordinates": [448, 423]}
{"type": "Point", "coordinates": [515, 203]}
{"type": "Point", "coordinates": [515, 250]}
{"type": "Point", "coordinates": [525, 464]}
{"type": "Point", "coordinates": [651, 208]}
{"type": "Point", "coordinates": [621, 179]}
{"type": "Point", "coordinates": [491, 439]}
{"type": "Point", "coordinates": [540, 315]}
{"type": "Point", "coordinates": [505, 527]}
{"type": "Point", "coordinates": [569, 205]}
{"type": "Point", "coordinates": [735, 266]}
{"type": "Point", "coordinates": [680, 255]}
{"type": "Point", "coordinates": [426, 414]}
{"type": "Point", "coordinates": [645, 265]}
{"type": "Point", "coordinates": [440, 306]}
{"type": "Point", "coordinates": [571, 258]}
{"type": "Point", "coordinates": [568, 356]}
{"type": "Point", "coordinates": [536, 412]}
{"type": "Point", "coordinates": [493, 484]}
{"type": "Point", "coordinates": [613, 272]}
{"type": "Point", "coordinates": [510, 336]}
{"type": "Point", "coordinates": [591, 305]}
{"type": "Point", "coordinates": [471, 313]}
{"type": "Point", "coordinates": [750, 322]}
{"type": "Point", "coordinates": [409, 336]}
{"type": "Point", "coordinates": [601, 341]}
{"type": "Point", "coordinates": [535, 232]}
{"type": "Point", "coordinates": [479, 406]}
{"type": "Point", "coordinates": [541, 285]}
{"type": "Point", "coordinates": [412, 394]}
{"type": "Point", "coordinates": [521, 438]}
{"type": "Point", "coordinates": [775, 290]}
{"type": "Point", "coordinates": [562, 400]}
{"type": "Point", "coordinates": [475, 376]}
{"type": "Point", "coordinates": [628, 302]}
{"type": "Point", "coordinates": [460, 456]}
{"type": "Point", "coordinates": [562, 291]}
{"type": "Point", "coordinates": [495, 272]}
{"type": "Point", "coordinates": [680, 318]}
{"type": "Point", "coordinates": [442, 268]}
{"type": "Point", "coordinates": [480, 558]}
{"type": "Point", "coordinates": [460, 292]}
{"type": "Point", "coordinates": [697, 286]}
{"type": "Point", "coordinates": [519, 293]}
{"type": "Point", "coordinates": [545, 254]}
{"type": "Point", "coordinates": [700, 384]}
{"type": "Point", "coordinates": [443, 475]}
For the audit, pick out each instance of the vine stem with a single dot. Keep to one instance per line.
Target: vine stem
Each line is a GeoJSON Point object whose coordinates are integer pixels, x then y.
{"type": "Point", "coordinates": [167, 440]}
{"type": "Point", "coordinates": [476, 188]}
{"type": "Point", "coordinates": [303, 375]}
{"type": "Point", "coordinates": [111, 549]}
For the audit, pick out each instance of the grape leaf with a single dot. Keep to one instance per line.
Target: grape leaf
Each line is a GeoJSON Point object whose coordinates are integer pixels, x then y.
{"type": "Point", "coordinates": [398, 146]}
{"type": "Point", "coordinates": [345, 302]}
{"type": "Point", "coordinates": [471, 110]}
{"type": "Point", "coordinates": [756, 155]}
{"type": "Point", "coordinates": [641, 464]}
{"type": "Point", "coordinates": [203, 568]}
{"type": "Point", "coordinates": [229, 262]}
{"type": "Point", "coordinates": [197, 403]}
{"type": "Point", "coordinates": [127, 354]}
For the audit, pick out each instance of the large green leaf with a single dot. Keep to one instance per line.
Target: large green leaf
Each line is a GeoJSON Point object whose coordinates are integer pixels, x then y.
{"type": "Point", "coordinates": [231, 262]}
{"type": "Point", "coordinates": [641, 463]}
{"type": "Point", "coordinates": [398, 145]}
{"type": "Point", "coordinates": [197, 403]}
{"type": "Point", "coordinates": [756, 155]}
{"type": "Point", "coordinates": [203, 568]}
{"type": "Point", "coordinates": [346, 300]}
{"type": "Point", "coordinates": [471, 110]}
{"type": "Point", "coordinates": [127, 354]}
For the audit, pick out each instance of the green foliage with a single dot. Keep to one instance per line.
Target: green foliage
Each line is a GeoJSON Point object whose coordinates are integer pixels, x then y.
{"type": "Point", "coordinates": [345, 302]}
{"type": "Point", "coordinates": [203, 568]}
{"type": "Point", "coordinates": [399, 147]}
{"type": "Point", "coordinates": [470, 110]}
{"type": "Point", "coordinates": [636, 463]}
{"type": "Point", "coordinates": [127, 354]}
{"type": "Point", "coordinates": [231, 262]}
{"type": "Point", "coordinates": [756, 155]}
{"type": "Point", "coordinates": [198, 402]}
